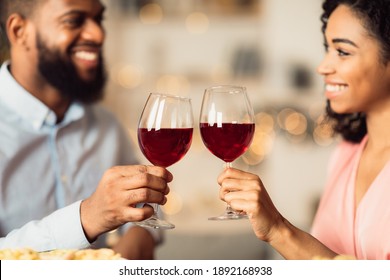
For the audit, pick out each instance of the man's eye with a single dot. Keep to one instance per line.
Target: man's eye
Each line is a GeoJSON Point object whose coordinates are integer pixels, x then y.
{"type": "Point", "coordinates": [99, 19]}
{"type": "Point", "coordinates": [74, 22]}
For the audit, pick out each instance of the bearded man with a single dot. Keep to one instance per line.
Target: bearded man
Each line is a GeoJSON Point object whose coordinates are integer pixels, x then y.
{"type": "Point", "coordinates": [68, 173]}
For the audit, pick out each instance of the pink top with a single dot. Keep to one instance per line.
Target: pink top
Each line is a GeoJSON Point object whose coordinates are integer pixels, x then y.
{"type": "Point", "coordinates": [366, 233]}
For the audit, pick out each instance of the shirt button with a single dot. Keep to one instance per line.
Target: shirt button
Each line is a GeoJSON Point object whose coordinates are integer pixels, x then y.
{"type": "Point", "coordinates": [51, 119]}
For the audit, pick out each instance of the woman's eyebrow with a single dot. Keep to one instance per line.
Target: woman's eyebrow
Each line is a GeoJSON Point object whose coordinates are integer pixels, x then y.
{"type": "Point", "coordinates": [345, 41]}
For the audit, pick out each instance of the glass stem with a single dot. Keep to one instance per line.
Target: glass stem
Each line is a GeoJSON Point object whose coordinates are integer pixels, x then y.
{"type": "Point", "coordinates": [228, 209]}
{"type": "Point", "coordinates": [155, 209]}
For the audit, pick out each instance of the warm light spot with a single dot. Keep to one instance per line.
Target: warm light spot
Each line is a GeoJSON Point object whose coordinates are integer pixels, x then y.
{"type": "Point", "coordinates": [129, 76]}
{"type": "Point", "coordinates": [296, 123]}
{"type": "Point", "coordinates": [264, 122]}
{"type": "Point", "coordinates": [261, 146]}
{"type": "Point", "coordinates": [174, 204]}
{"type": "Point", "coordinates": [282, 116]}
{"type": "Point", "coordinates": [323, 133]}
{"type": "Point", "coordinates": [197, 23]}
{"type": "Point", "coordinates": [252, 159]}
{"type": "Point", "coordinates": [151, 14]}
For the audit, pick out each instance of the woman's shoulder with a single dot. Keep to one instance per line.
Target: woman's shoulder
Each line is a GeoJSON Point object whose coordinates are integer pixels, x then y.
{"type": "Point", "coordinates": [343, 153]}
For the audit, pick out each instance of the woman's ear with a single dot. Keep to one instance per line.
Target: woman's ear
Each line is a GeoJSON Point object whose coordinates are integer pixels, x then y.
{"type": "Point", "coordinates": [16, 29]}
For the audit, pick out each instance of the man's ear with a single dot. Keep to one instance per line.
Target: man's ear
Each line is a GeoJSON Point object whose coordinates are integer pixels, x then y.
{"type": "Point", "coordinates": [16, 29]}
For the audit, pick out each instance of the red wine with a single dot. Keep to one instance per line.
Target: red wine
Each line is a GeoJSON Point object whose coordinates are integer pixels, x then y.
{"type": "Point", "coordinates": [165, 146]}
{"type": "Point", "coordinates": [229, 141]}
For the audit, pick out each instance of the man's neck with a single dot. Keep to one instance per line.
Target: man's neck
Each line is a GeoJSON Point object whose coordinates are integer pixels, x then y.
{"type": "Point", "coordinates": [37, 86]}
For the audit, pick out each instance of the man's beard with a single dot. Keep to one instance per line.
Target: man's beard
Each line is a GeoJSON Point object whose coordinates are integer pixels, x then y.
{"type": "Point", "coordinates": [63, 76]}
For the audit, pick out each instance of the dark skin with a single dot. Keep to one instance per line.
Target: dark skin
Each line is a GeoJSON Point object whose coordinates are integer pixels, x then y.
{"type": "Point", "coordinates": [112, 205]}
{"type": "Point", "coordinates": [22, 35]}
{"type": "Point", "coordinates": [356, 81]}
{"type": "Point", "coordinates": [67, 26]}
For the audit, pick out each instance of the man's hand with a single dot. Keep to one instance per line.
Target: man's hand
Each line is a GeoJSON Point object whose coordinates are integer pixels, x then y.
{"type": "Point", "coordinates": [120, 189]}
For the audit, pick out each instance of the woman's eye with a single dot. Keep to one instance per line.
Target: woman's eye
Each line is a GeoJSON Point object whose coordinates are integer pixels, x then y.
{"type": "Point", "coordinates": [342, 53]}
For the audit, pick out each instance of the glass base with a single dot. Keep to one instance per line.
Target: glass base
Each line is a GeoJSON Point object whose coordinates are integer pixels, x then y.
{"type": "Point", "coordinates": [156, 223]}
{"type": "Point", "coordinates": [229, 215]}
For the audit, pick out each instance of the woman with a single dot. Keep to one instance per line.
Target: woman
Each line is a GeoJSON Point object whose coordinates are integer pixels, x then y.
{"type": "Point", "coordinates": [353, 216]}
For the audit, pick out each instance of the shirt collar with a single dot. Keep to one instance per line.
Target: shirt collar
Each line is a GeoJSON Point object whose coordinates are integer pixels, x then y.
{"type": "Point", "coordinates": [29, 108]}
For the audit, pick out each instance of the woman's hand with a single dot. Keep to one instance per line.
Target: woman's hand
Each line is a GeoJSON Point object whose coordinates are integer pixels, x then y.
{"type": "Point", "coordinates": [245, 192]}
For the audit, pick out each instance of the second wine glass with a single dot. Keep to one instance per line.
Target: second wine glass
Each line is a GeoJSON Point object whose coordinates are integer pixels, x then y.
{"type": "Point", "coordinates": [227, 127]}
{"type": "Point", "coordinates": [164, 135]}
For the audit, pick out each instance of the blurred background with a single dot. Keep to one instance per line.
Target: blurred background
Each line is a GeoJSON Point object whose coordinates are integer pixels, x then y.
{"type": "Point", "coordinates": [272, 47]}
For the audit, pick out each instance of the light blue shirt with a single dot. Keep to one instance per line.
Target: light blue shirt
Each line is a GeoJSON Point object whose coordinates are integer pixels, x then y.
{"type": "Point", "coordinates": [46, 169]}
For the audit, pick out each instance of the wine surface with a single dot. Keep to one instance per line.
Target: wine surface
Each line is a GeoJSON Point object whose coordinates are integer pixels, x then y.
{"type": "Point", "coordinates": [165, 146]}
{"type": "Point", "coordinates": [228, 141]}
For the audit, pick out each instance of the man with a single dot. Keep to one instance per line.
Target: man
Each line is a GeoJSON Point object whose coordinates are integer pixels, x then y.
{"type": "Point", "coordinates": [58, 188]}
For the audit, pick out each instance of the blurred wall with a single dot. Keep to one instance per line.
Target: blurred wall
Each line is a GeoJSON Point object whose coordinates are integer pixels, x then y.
{"type": "Point", "coordinates": [270, 46]}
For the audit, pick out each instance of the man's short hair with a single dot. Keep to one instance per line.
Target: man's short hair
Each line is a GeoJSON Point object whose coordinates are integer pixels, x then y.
{"type": "Point", "coordinates": [23, 7]}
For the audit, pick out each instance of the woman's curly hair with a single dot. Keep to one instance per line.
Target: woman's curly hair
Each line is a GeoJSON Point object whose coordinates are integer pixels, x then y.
{"type": "Point", "coordinates": [375, 16]}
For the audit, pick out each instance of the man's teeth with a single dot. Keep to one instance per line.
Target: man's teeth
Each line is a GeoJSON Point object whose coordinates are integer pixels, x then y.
{"type": "Point", "coordinates": [334, 88]}
{"type": "Point", "coordinates": [90, 56]}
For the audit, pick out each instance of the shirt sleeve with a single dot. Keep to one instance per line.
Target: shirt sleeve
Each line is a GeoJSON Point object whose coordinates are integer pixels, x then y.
{"type": "Point", "coordinates": [60, 230]}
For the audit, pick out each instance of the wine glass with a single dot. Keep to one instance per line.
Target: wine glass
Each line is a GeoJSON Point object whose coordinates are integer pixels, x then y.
{"type": "Point", "coordinates": [227, 126]}
{"type": "Point", "coordinates": [164, 137]}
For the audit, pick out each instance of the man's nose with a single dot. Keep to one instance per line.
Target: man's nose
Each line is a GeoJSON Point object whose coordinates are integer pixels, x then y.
{"type": "Point", "coordinates": [93, 32]}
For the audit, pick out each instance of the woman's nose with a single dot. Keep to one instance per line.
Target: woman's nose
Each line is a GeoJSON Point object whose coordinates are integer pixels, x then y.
{"type": "Point", "coordinates": [326, 66]}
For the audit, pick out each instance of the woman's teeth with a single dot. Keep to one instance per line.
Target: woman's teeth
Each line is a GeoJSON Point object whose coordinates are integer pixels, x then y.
{"type": "Point", "coordinates": [335, 88]}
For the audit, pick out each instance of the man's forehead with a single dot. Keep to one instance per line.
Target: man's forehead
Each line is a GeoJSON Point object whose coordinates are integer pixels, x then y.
{"type": "Point", "coordinates": [64, 6]}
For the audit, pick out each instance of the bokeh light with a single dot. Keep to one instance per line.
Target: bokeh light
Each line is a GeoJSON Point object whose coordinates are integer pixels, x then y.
{"type": "Point", "coordinates": [151, 14]}
{"type": "Point", "coordinates": [174, 204]}
{"type": "Point", "coordinates": [128, 76]}
{"type": "Point", "coordinates": [197, 23]}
